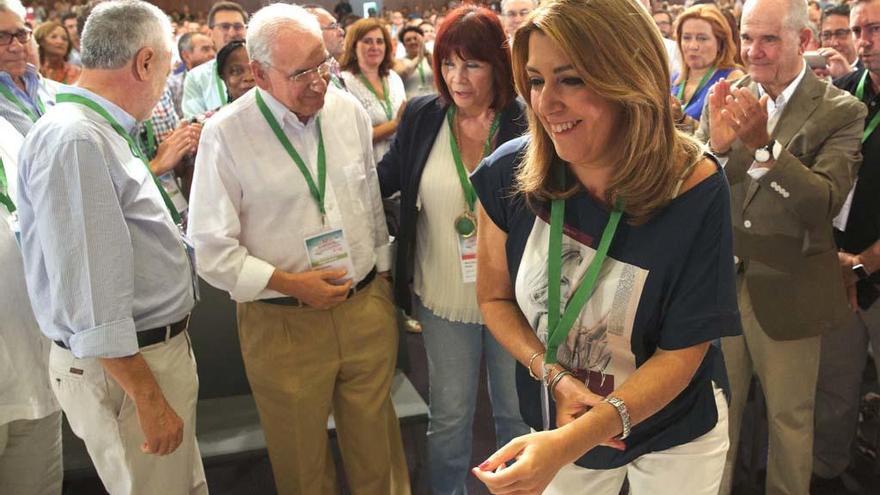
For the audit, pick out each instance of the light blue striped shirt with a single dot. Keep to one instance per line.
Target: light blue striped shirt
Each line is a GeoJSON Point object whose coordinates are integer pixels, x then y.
{"type": "Point", "coordinates": [103, 259]}
{"type": "Point", "coordinates": [37, 87]}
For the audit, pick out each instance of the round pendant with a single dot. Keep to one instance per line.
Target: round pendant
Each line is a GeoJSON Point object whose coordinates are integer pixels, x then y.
{"type": "Point", "coordinates": [466, 224]}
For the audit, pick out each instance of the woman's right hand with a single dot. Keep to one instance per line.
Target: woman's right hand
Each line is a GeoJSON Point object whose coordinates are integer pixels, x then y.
{"type": "Point", "coordinates": [538, 457]}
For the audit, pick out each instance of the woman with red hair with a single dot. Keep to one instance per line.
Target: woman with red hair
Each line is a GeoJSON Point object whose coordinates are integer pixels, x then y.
{"type": "Point", "coordinates": [440, 140]}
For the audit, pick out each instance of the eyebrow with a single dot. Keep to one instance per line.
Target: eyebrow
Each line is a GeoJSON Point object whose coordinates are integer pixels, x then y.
{"type": "Point", "coordinates": [557, 70]}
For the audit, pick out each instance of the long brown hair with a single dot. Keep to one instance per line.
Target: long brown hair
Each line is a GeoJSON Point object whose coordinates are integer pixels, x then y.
{"type": "Point", "coordinates": [617, 50]}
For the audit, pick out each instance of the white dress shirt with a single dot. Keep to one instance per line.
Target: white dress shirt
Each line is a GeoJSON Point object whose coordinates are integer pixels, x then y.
{"type": "Point", "coordinates": [200, 93]}
{"type": "Point", "coordinates": [251, 208]}
{"type": "Point", "coordinates": [25, 392]}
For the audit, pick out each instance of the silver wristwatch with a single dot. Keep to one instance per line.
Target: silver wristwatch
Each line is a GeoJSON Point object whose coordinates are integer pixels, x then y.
{"type": "Point", "coordinates": [769, 152]}
{"type": "Point", "coordinates": [623, 412]}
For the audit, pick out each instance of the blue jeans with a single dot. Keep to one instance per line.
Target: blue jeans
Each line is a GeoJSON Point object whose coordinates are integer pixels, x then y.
{"type": "Point", "coordinates": [454, 351]}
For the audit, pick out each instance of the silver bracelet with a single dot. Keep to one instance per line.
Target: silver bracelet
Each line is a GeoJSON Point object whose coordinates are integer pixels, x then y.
{"type": "Point", "coordinates": [623, 412]}
{"type": "Point", "coordinates": [559, 376]}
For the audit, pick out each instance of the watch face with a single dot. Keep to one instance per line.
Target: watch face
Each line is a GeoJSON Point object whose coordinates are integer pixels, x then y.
{"type": "Point", "coordinates": [762, 155]}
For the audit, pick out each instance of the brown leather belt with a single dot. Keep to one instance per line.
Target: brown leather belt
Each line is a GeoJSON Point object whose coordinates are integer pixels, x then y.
{"type": "Point", "coordinates": [152, 336]}
{"type": "Point", "coordinates": [292, 301]}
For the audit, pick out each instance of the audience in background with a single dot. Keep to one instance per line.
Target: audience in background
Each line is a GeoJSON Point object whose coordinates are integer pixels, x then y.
{"type": "Point", "coordinates": [416, 68]}
{"type": "Point", "coordinates": [234, 68]}
{"type": "Point", "coordinates": [55, 46]}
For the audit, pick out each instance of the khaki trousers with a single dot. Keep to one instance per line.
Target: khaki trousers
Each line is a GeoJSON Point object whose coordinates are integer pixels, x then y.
{"type": "Point", "coordinates": [100, 413]}
{"type": "Point", "coordinates": [787, 371]}
{"type": "Point", "coordinates": [303, 364]}
{"type": "Point", "coordinates": [30, 456]}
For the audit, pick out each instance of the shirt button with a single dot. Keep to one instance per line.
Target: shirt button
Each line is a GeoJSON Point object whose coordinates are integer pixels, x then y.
{"type": "Point", "coordinates": [747, 224]}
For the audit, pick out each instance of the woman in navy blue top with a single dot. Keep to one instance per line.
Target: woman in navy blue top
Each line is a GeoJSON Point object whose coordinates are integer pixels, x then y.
{"type": "Point", "coordinates": [606, 266]}
{"type": "Point", "coordinates": [708, 53]}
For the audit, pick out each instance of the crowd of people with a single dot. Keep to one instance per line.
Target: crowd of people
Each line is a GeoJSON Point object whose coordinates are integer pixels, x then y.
{"type": "Point", "coordinates": [625, 212]}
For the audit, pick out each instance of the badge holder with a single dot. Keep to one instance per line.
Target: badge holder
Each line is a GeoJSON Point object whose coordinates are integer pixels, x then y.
{"type": "Point", "coordinates": [328, 249]}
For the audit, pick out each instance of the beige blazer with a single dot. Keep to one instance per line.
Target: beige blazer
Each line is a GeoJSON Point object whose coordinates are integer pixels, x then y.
{"type": "Point", "coordinates": [782, 222]}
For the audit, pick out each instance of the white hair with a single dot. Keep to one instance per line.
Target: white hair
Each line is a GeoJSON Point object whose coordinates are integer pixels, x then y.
{"type": "Point", "coordinates": [13, 6]}
{"type": "Point", "coordinates": [797, 15]}
{"type": "Point", "coordinates": [269, 21]}
{"type": "Point", "coordinates": [504, 4]}
{"type": "Point", "coordinates": [116, 30]}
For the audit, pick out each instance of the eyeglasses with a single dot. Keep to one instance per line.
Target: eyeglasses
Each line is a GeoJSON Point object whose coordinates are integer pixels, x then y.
{"type": "Point", "coordinates": [229, 26]}
{"type": "Point", "coordinates": [873, 30]}
{"type": "Point", "coordinates": [517, 13]}
{"type": "Point", "coordinates": [308, 76]}
{"type": "Point", "coordinates": [333, 26]}
{"type": "Point", "coordinates": [22, 35]}
{"type": "Point", "coordinates": [840, 34]}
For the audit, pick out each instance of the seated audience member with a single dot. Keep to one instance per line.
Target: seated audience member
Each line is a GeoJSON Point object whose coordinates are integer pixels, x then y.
{"type": "Point", "coordinates": [366, 70]}
{"type": "Point", "coordinates": [791, 146]}
{"type": "Point", "coordinates": [106, 264]}
{"type": "Point", "coordinates": [570, 278]}
{"type": "Point", "coordinates": [24, 94]}
{"type": "Point", "coordinates": [415, 69]}
{"type": "Point", "coordinates": [234, 67]}
{"type": "Point", "coordinates": [203, 90]}
{"type": "Point", "coordinates": [441, 140]}
{"type": "Point", "coordinates": [285, 173]}
{"type": "Point", "coordinates": [857, 232]}
{"type": "Point", "coordinates": [707, 54]}
{"type": "Point", "coordinates": [55, 46]}
{"type": "Point", "coordinates": [838, 45]}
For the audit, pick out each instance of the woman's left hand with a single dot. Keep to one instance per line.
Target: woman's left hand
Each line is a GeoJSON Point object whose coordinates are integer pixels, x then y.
{"type": "Point", "coordinates": [539, 456]}
{"type": "Point", "coordinates": [573, 399]}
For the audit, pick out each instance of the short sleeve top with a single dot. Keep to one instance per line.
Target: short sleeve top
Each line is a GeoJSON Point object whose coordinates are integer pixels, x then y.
{"type": "Point", "coordinates": [668, 283]}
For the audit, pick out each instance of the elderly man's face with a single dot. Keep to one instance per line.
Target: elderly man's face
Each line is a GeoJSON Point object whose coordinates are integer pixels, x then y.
{"type": "Point", "coordinates": [332, 32]}
{"type": "Point", "coordinates": [835, 33]}
{"type": "Point", "coordinates": [772, 52]}
{"type": "Point", "coordinates": [515, 14]}
{"type": "Point", "coordinates": [13, 57]}
{"type": "Point", "coordinates": [297, 55]}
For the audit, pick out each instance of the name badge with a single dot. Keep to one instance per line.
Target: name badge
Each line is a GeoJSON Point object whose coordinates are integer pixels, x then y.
{"type": "Point", "coordinates": [14, 227]}
{"type": "Point", "coordinates": [193, 270]}
{"type": "Point", "coordinates": [169, 183]}
{"type": "Point", "coordinates": [467, 257]}
{"type": "Point", "coordinates": [328, 249]}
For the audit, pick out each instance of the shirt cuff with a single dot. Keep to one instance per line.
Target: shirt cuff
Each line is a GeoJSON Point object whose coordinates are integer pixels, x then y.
{"type": "Point", "coordinates": [756, 172]}
{"type": "Point", "coordinates": [383, 258]}
{"type": "Point", "coordinates": [722, 159]}
{"type": "Point", "coordinates": [110, 340]}
{"type": "Point", "coordinates": [252, 279]}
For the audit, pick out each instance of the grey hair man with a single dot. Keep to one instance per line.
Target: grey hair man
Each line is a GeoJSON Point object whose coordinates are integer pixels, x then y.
{"type": "Point", "coordinates": [792, 145]}
{"type": "Point", "coordinates": [286, 216]}
{"type": "Point", "coordinates": [331, 30]}
{"type": "Point", "coordinates": [514, 12]}
{"type": "Point", "coordinates": [30, 417]}
{"type": "Point", "coordinates": [107, 266]}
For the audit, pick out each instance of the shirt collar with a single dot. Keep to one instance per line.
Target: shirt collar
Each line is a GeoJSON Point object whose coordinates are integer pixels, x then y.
{"type": "Point", "coordinates": [283, 115]}
{"type": "Point", "coordinates": [789, 90]}
{"type": "Point", "coordinates": [124, 118]}
{"type": "Point", "coordinates": [31, 81]}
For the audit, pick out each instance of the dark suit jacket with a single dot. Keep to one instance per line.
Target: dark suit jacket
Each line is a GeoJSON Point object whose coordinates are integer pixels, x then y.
{"type": "Point", "coordinates": [402, 166]}
{"type": "Point", "coordinates": [782, 222]}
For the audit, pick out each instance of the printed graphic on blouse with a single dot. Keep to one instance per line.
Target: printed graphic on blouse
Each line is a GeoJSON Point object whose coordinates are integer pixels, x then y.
{"type": "Point", "coordinates": [597, 350]}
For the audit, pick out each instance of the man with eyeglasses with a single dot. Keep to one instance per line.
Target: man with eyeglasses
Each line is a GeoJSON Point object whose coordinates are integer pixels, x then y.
{"type": "Point", "coordinates": [24, 94]}
{"type": "Point", "coordinates": [857, 232]}
{"type": "Point", "coordinates": [203, 90]}
{"type": "Point", "coordinates": [30, 417]}
{"type": "Point", "coordinates": [334, 37]}
{"type": "Point", "coordinates": [514, 12]}
{"type": "Point", "coordinates": [286, 216]}
{"type": "Point", "coordinates": [838, 45]}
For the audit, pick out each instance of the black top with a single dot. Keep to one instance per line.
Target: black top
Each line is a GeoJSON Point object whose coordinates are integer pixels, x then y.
{"type": "Point", "coordinates": [400, 170]}
{"type": "Point", "coordinates": [863, 225]}
{"type": "Point", "coordinates": [668, 283]}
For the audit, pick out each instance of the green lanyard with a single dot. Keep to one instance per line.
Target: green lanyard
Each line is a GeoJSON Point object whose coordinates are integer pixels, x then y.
{"type": "Point", "coordinates": [132, 145]}
{"type": "Point", "coordinates": [221, 88]}
{"type": "Point", "coordinates": [316, 190]}
{"type": "Point", "coordinates": [5, 200]}
{"type": "Point", "coordinates": [151, 138]}
{"type": "Point", "coordinates": [469, 194]}
{"type": "Point", "coordinates": [386, 103]}
{"type": "Point", "coordinates": [558, 325]}
{"type": "Point", "coordinates": [708, 75]}
{"type": "Point", "coordinates": [21, 106]}
{"type": "Point", "coordinates": [421, 70]}
{"type": "Point", "coordinates": [860, 93]}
